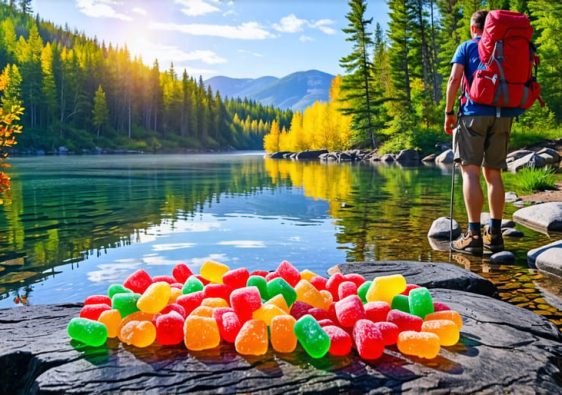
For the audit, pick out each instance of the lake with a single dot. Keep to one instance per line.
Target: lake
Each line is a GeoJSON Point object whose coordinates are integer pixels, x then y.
{"type": "Point", "coordinates": [72, 225]}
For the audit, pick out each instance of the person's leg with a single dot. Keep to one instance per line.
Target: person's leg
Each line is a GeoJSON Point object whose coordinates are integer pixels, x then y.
{"type": "Point", "coordinates": [496, 192]}
{"type": "Point", "coordinates": [472, 191]}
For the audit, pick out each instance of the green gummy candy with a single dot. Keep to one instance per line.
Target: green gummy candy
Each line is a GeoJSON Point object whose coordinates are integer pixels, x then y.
{"type": "Point", "coordinates": [193, 284]}
{"type": "Point", "coordinates": [260, 283]}
{"type": "Point", "coordinates": [312, 337]}
{"type": "Point", "coordinates": [125, 303]}
{"type": "Point", "coordinates": [401, 302]}
{"type": "Point", "coordinates": [117, 289]}
{"type": "Point", "coordinates": [279, 286]}
{"type": "Point", "coordinates": [421, 302]}
{"type": "Point", "coordinates": [89, 332]}
{"type": "Point", "coordinates": [362, 291]}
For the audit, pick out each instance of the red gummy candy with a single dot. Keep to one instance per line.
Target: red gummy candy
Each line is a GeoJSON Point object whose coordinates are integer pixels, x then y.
{"type": "Point", "coordinates": [346, 288]}
{"type": "Point", "coordinates": [271, 275]}
{"type": "Point", "coordinates": [181, 272]}
{"type": "Point", "coordinates": [217, 291]}
{"type": "Point", "coordinates": [368, 340]}
{"type": "Point", "coordinates": [245, 301]}
{"type": "Point", "coordinates": [190, 301]}
{"type": "Point", "coordinates": [93, 311]}
{"type": "Point", "coordinates": [319, 282]}
{"type": "Point", "coordinates": [236, 278]}
{"type": "Point", "coordinates": [98, 299]}
{"type": "Point", "coordinates": [218, 312]}
{"type": "Point", "coordinates": [349, 311]}
{"type": "Point", "coordinates": [174, 307]}
{"type": "Point", "coordinates": [340, 341]}
{"type": "Point", "coordinates": [319, 314]}
{"type": "Point", "coordinates": [438, 306]}
{"type": "Point", "coordinates": [333, 283]}
{"type": "Point", "coordinates": [409, 287]}
{"type": "Point", "coordinates": [332, 312]}
{"type": "Point", "coordinates": [169, 328]}
{"type": "Point", "coordinates": [177, 285]}
{"type": "Point", "coordinates": [357, 279]}
{"type": "Point", "coordinates": [138, 282]}
{"type": "Point", "coordinates": [326, 322]}
{"type": "Point", "coordinates": [389, 332]}
{"type": "Point", "coordinates": [289, 273]}
{"type": "Point", "coordinates": [261, 273]}
{"type": "Point", "coordinates": [405, 321]}
{"type": "Point", "coordinates": [229, 325]}
{"type": "Point", "coordinates": [166, 279]}
{"type": "Point", "coordinates": [300, 309]}
{"type": "Point", "coordinates": [377, 311]}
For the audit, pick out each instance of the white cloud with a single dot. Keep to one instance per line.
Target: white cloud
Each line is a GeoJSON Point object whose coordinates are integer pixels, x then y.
{"type": "Point", "coordinates": [172, 246]}
{"type": "Point", "coordinates": [290, 24]}
{"type": "Point", "coordinates": [256, 54]}
{"type": "Point", "coordinates": [305, 39]}
{"type": "Point", "coordinates": [244, 31]}
{"type": "Point", "coordinates": [140, 11]}
{"type": "Point", "coordinates": [101, 9]}
{"type": "Point", "coordinates": [197, 7]}
{"type": "Point", "coordinates": [243, 243]}
{"type": "Point", "coordinates": [323, 26]}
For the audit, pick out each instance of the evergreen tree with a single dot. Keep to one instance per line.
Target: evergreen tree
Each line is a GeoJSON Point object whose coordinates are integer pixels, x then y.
{"type": "Point", "coordinates": [100, 111]}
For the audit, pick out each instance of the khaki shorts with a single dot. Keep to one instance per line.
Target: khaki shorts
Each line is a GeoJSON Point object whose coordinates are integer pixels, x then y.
{"type": "Point", "coordinates": [482, 141]}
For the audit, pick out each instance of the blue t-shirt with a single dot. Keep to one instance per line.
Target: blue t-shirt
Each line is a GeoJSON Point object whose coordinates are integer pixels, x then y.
{"type": "Point", "coordinates": [467, 55]}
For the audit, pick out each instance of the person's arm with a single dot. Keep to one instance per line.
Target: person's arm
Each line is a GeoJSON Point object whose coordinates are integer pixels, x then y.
{"type": "Point", "coordinates": [452, 88]}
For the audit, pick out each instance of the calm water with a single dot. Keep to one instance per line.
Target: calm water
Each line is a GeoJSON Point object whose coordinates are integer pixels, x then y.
{"type": "Point", "coordinates": [71, 226]}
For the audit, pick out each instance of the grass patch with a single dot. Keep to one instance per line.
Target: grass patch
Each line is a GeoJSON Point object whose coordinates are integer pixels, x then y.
{"type": "Point", "coordinates": [530, 180]}
{"type": "Point", "coordinates": [523, 138]}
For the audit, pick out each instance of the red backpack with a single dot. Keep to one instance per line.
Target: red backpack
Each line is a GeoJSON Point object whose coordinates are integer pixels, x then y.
{"type": "Point", "coordinates": [507, 59]}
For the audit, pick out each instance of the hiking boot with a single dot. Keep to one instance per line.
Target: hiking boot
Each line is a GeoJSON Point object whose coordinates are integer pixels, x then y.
{"type": "Point", "coordinates": [492, 241]}
{"type": "Point", "coordinates": [468, 243]}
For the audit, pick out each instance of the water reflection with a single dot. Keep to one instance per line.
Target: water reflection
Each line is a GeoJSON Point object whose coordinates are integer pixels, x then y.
{"type": "Point", "coordinates": [73, 225]}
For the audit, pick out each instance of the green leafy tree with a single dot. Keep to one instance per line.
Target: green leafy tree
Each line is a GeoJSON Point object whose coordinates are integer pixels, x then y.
{"type": "Point", "coordinates": [100, 112]}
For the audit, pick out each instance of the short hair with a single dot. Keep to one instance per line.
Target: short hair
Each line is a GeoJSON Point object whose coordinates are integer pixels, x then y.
{"type": "Point", "coordinates": [478, 19]}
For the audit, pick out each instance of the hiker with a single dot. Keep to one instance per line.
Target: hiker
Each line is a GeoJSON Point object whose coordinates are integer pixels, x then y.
{"type": "Point", "coordinates": [480, 144]}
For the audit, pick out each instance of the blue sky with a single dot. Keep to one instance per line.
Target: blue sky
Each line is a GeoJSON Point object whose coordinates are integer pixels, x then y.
{"type": "Point", "coordinates": [240, 38]}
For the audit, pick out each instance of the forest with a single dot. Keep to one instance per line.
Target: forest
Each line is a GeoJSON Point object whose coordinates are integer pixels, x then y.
{"type": "Point", "coordinates": [391, 96]}
{"type": "Point", "coordinates": [85, 96]}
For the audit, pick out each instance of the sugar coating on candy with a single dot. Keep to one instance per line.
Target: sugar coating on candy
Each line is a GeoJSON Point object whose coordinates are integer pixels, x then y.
{"type": "Point", "coordinates": [138, 282]}
{"type": "Point", "coordinates": [177, 285]}
{"type": "Point", "coordinates": [446, 315]}
{"type": "Point", "coordinates": [217, 291]}
{"type": "Point", "coordinates": [201, 333]}
{"type": "Point", "coordinates": [126, 303]}
{"type": "Point", "coordinates": [405, 321]}
{"type": "Point", "coordinates": [98, 299]}
{"type": "Point", "coordinates": [279, 301]}
{"type": "Point", "coordinates": [174, 307]}
{"type": "Point", "coordinates": [319, 314]}
{"type": "Point", "coordinates": [93, 311]}
{"type": "Point", "coordinates": [340, 341]}
{"type": "Point", "coordinates": [89, 332]}
{"type": "Point", "coordinates": [308, 294]}
{"type": "Point", "coordinates": [347, 288]}
{"type": "Point", "coordinates": [260, 283]}
{"type": "Point", "coordinates": [389, 332]}
{"type": "Point", "coordinates": [154, 298]}
{"type": "Point", "coordinates": [328, 299]}
{"type": "Point", "coordinates": [181, 272]}
{"type": "Point", "coordinates": [252, 338]}
{"type": "Point", "coordinates": [202, 311]}
{"type": "Point", "coordinates": [283, 338]}
{"type": "Point", "coordinates": [326, 322]}
{"type": "Point", "coordinates": [229, 325]}
{"type": "Point", "coordinates": [112, 321]}
{"type": "Point", "coordinates": [447, 331]}
{"type": "Point", "coordinates": [271, 275]}
{"type": "Point", "coordinates": [349, 311]}
{"type": "Point", "coordinates": [289, 273]}
{"type": "Point", "coordinates": [245, 301]}
{"type": "Point", "coordinates": [167, 279]}
{"type": "Point", "coordinates": [138, 333]}
{"type": "Point", "coordinates": [421, 302]}
{"type": "Point", "coordinates": [280, 286]}
{"type": "Point", "coordinates": [409, 287]}
{"type": "Point", "coordinates": [213, 271]}
{"type": "Point", "coordinates": [362, 291]}
{"type": "Point", "coordinates": [419, 344]}
{"type": "Point", "coordinates": [333, 283]}
{"type": "Point", "coordinates": [192, 284]}
{"type": "Point", "coordinates": [214, 302]}
{"type": "Point", "coordinates": [312, 337]}
{"type": "Point", "coordinates": [169, 329]}
{"type": "Point", "coordinates": [376, 311]}
{"type": "Point", "coordinates": [368, 339]}
{"type": "Point", "coordinates": [319, 282]}
{"type": "Point", "coordinates": [300, 309]}
{"type": "Point", "coordinates": [266, 313]}
{"type": "Point", "coordinates": [236, 278]}
{"type": "Point", "coordinates": [401, 302]}
{"type": "Point", "coordinates": [439, 306]}
{"type": "Point", "coordinates": [384, 288]}
{"type": "Point", "coordinates": [261, 273]}
{"type": "Point", "coordinates": [308, 275]}
{"type": "Point", "coordinates": [357, 279]}
{"type": "Point", "coordinates": [117, 289]}
{"type": "Point", "coordinates": [190, 301]}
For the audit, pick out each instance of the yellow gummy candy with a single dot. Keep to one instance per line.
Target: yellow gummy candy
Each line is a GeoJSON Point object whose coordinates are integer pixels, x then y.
{"type": "Point", "coordinates": [279, 301]}
{"type": "Point", "coordinates": [306, 292]}
{"type": "Point", "coordinates": [155, 298]}
{"type": "Point", "coordinates": [214, 302]}
{"type": "Point", "coordinates": [308, 275]}
{"type": "Point", "coordinates": [213, 271]}
{"type": "Point", "coordinates": [328, 298]}
{"type": "Point", "coordinates": [174, 294]}
{"type": "Point", "coordinates": [112, 320]}
{"type": "Point", "coordinates": [267, 312]}
{"type": "Point", "coordinates": [385, 288]}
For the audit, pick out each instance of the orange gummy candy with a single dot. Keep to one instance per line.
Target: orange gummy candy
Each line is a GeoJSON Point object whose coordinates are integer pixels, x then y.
{"type": "Point", "coordinates": [201, 333]}
{"type": "Point", "coordinates": [266, 313]}
{"type": "Point", "coordinates": [138, 333]}
{"type": "Point", "coordinates": [252, 338]}
{"type": "Point", "coordinates": [174, 294]}
{"type": "Point", "coordinates": [214, 302]}
{"type": "Point", "coordinates": [447, 331]}
{"type": "Point", "coordinates": [306, 292]}
{"type": "Point", "coordinates": [328, 298]}
{"type": "Point", "coordinates": [419, 344]}
{"type": "Point", "coordinates": [112, 321]}
{"type": "Point", "coordinates": [136, 316]}
{"type": "Point", "coordinates": [283, 338]}
{"type": "Point", "coordinates": [446, 315]}
{"type": "Point", "coordinates": [202, 311]}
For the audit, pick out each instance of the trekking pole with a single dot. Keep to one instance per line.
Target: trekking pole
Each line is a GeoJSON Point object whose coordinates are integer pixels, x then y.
{"type": "Point", "coordinates": [451, 205]}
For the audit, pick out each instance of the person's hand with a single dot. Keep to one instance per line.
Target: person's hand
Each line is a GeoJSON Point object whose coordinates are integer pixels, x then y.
{"type": "Point", "coordinates": [450, 123]}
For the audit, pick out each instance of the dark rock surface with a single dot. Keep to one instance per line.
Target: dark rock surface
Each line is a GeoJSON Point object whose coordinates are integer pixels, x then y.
{"type": "Point", "coordinates": [441, 229]}
{"type": "Point", "coordinates": [426, 274]}
{"type": "Point", "coordinates": [542, 217]}
{"type": "Point", "coordinates": [445, 157]}
{"type": "Point", "coordinates": [503, 258]}
{"type": "Point", "coordinates": [408, 155]}
{"type": "Point", "coordinates": [503, 349]}
{"type": "Point", "coordinates": [310, 155]}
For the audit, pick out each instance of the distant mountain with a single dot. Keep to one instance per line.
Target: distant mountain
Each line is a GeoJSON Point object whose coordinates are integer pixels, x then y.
{"type": "Point", "coordinates": [295, 91]}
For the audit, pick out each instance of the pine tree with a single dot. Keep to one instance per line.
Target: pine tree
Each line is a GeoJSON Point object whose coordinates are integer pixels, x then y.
{"type": "Point", "coordinates": [25, 6]}
{"type": "Point", "coordinates": [100, 111]}
{"type": "Point", "coordinates": [11, 95]}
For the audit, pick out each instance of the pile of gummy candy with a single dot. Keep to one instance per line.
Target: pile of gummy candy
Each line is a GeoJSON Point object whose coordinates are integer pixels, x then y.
{"type": "Point", "coordinates": [285, 308]}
